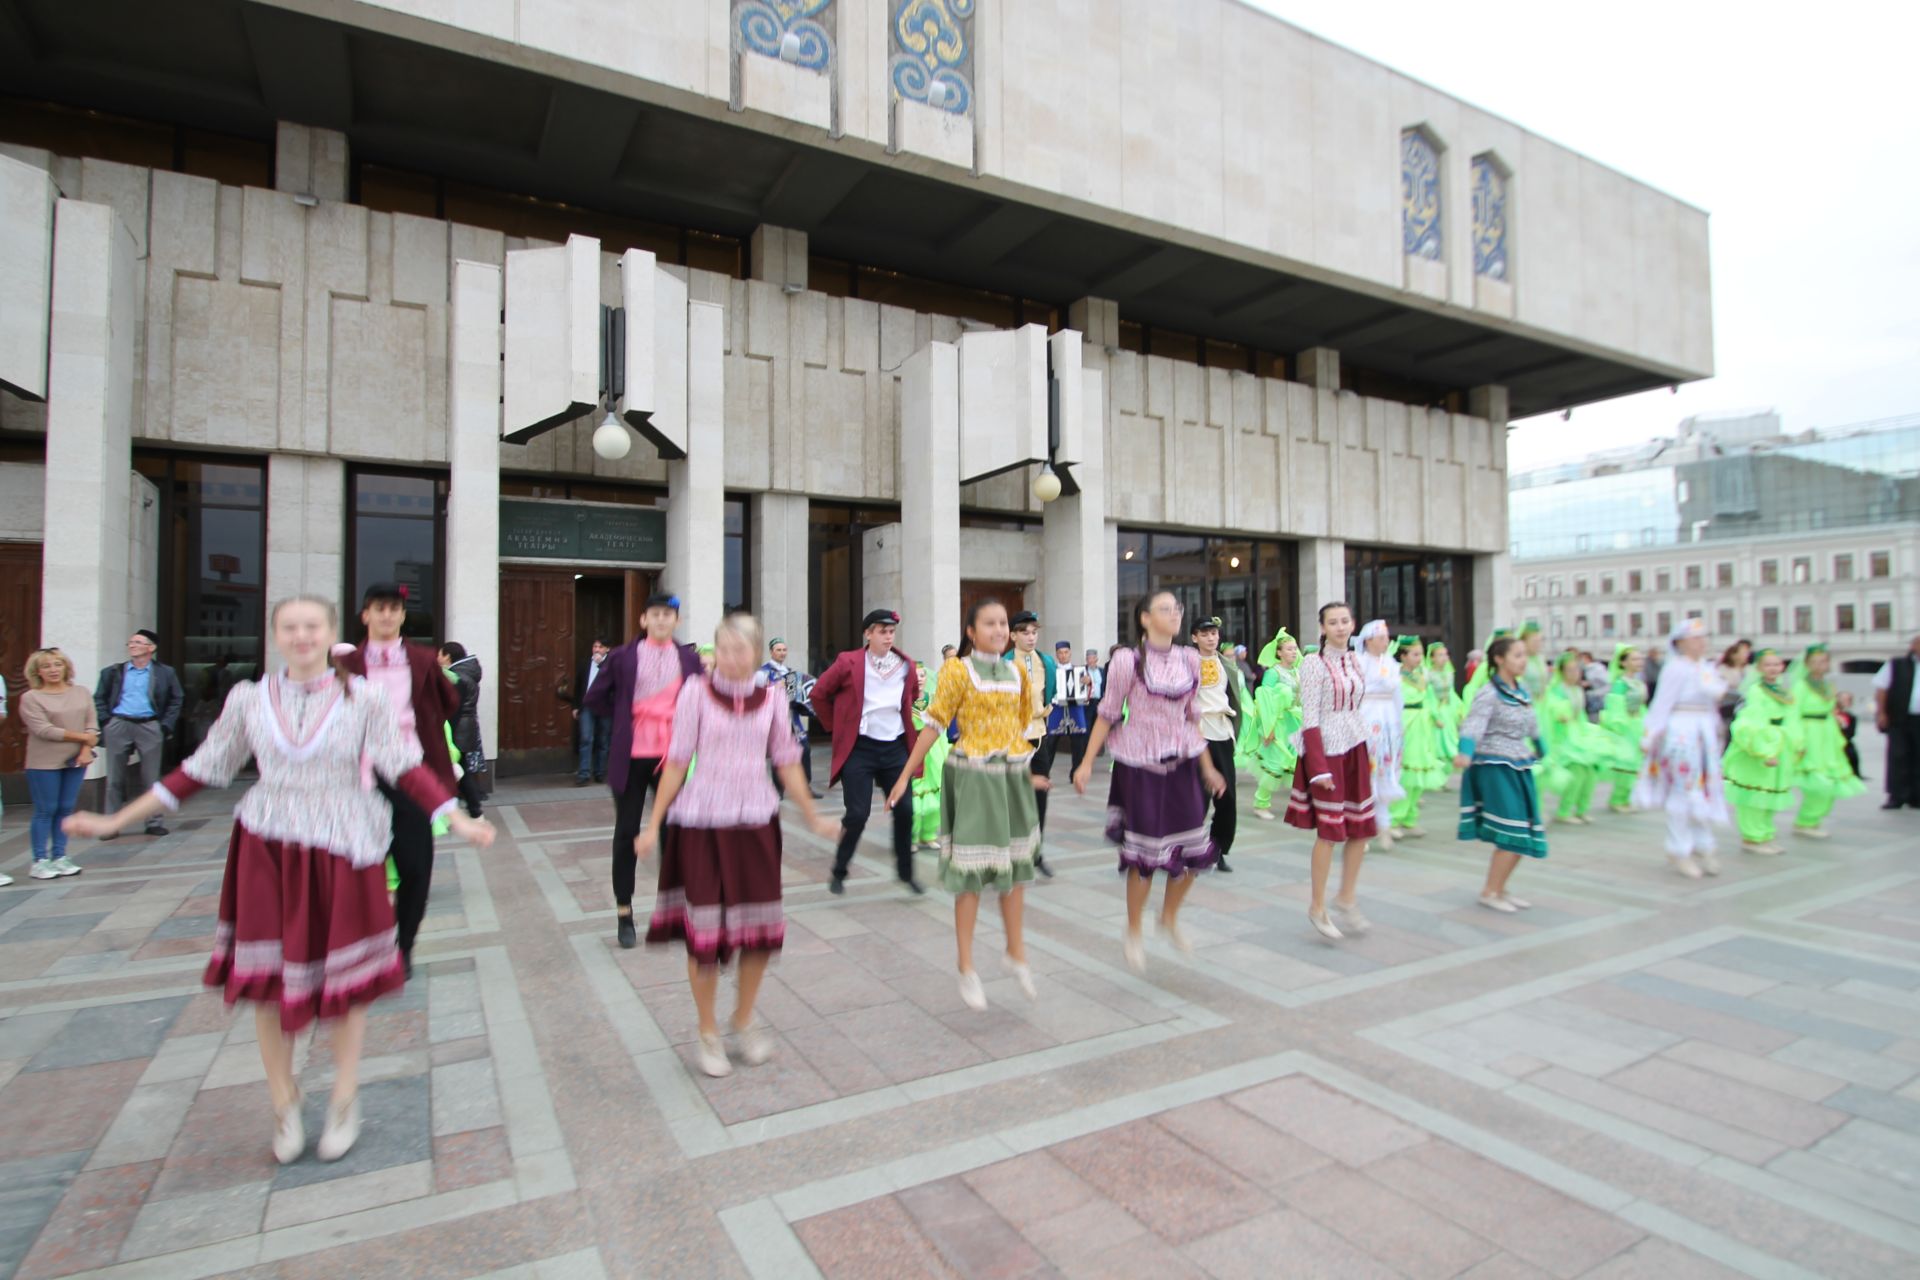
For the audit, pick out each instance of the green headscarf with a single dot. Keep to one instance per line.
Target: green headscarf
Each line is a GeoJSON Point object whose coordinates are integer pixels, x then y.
{"type": "Point", "coordinates": [1797, 673]}
{"type": "Point", "coordinates": [1618, 667]}
{"type": "Point", "coordinates": [1484, 672]}
{"type": "Point", "coordinates": [1270, 656]}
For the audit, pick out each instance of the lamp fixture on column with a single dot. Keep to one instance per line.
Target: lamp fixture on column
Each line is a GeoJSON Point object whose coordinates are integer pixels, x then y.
{"type": "Point", "coordinates": [790, 47]}
{"type": "Point", "coordinates": [1046, 485]}
{"type": "Point", "coordinates": [610, 438]}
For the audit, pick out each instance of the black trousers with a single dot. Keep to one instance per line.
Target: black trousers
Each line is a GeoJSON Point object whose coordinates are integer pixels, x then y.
{"type": "Point", "coordinates": [1041, 763]}
{"type": "Point", "coordinates": [412, 852]}
{"type": "Point", "coordinates": [874, 763]}
{"type": "Point", "coordinates": [630, 813]}
{"type": "Point", "coordinates": [1226, 806]}
{"type": "Point", "coordinates": [1903, 761]}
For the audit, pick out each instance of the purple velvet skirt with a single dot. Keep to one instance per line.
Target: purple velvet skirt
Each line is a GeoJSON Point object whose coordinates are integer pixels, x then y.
{"type": "Point", "coordinates": [1157, 815]}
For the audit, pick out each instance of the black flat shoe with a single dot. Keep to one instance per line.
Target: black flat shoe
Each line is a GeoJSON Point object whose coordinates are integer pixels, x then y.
{"type": "Point", "coordinates": [915, 886]}
{"type": "Point", "coordinates": [406, 965]}
{"type": "Point", "coordinates": [819, 795]}
{"type": "Point", "coordinates": [579, 782]}
{"type": "Point", "coordinates": [837, 886]}
{"type": "Point", "coordinates": [1222, 867]}
{"type": "Point", "coordinates": [1892, 804]}
{"type": "Point", "coordinates": [1040, 865]}
{"type": "Point", "coordinates": [628, 938]}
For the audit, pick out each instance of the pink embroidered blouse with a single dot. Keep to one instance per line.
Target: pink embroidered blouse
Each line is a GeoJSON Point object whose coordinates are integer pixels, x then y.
{"type": "Point", "coordinates": [1161, 720]}
{"type": "Point", "coordinates": [657, 683]}
{"type": "Point", "coordinates": [736, 728]}
{"type": "Point", "coordinates": [1332, 688]}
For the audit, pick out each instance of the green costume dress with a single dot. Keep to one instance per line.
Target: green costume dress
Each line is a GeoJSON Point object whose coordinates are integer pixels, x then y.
{"type": "Point", "coordinates": [1448, 707]}
{"type": "Point", "coordinates": [1824, 775]}
{"type": "Point", "coordinates": [1422, 767]}
{"type": "Point", "coordinates": [1578, 752]}
{"type": "Point", "coordinates": [1768, 727]}
{"type": "Point", "coordinates": [926, 789]}
{"type": "Point", "coordinates": [1276, 719]}
{"type": "Point", "coordinates": [1624, 715]}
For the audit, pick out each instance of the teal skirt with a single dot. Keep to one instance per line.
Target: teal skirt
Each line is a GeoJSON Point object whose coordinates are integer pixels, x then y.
{"type": "Point", "coordinates": [989, 824]}
{"type": "Point", "coordinates": [1498, 804]}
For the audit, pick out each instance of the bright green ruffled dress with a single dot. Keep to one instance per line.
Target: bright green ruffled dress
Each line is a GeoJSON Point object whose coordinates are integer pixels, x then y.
{"type": "Point", "coordinates": [1825, 776]}
{"type": "Point", "coordinates": [1624, 715]}
{"type": "Point", "coordinates": [1578, 752]}
{"type": "Point", "coordinates": [1768, 727]}
{"type": "Point", "coordinates": [1277, 714]}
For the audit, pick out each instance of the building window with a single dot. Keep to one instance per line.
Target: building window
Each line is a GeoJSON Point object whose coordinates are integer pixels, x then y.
{"type": "Point", "coordinates": [1419, 195]}
{"type": "Point", "coordinates": [1606, 624]}
{"type": "Point", "coordinates": [1723, 574]}
{"type": "Point", "coordinates": [1769, 573]}
{"type": "Point", "coordinates": [1802, 569]}
{"type": "Point", "coordinates": [1843, 617]}
{"type": "Point", "coordinates": [1802, 619]}
{"type": "Point", "coordinates": [1426, 594]}
{"type": "Point", "coordinates": [1635, 583]}
{"type": "Point", "coordinates": [1489, 218]}
{"type": "Point", "coordinates": [397, 533]}
{"type": "Point", "coordinates": [1693, 577]}
{"type": "Point", "coordinates": [1580, 625]}
{"type": "Point", "coordinates": [1579, 584]}
{"type": "Point", "coordinates": [1663, 622]}
{"type": "Point", "coordinates": [1250, 586]}
{"type": "Point", "coordinates": [1663, 581]}
{"type": "Point", "coordinates": [1606, 584]}
{"type": "Point", "coordinates": [1692, 614]}
{"type": "Point", "coordinates": [1879, 564]}
{"type": "Point", "coordinates": [1557, 628]}
{"type": "Point", "coordinates": [1882, 611]}
{"type": "Point", "coordinates": [1636, 624]}
{"type": "Point", "coordinates": [1553, 586]}
{"type": "Point", "coordinates": [1724, 622]}
{"type": "Point", "coordinates": [1532, 588]}
{"type": "Point", "coordinates": [1843, 568]}
{"type": "Point", "coordinates": [739, 588]}
{"type": "Point", "coordinates": [1770, 621]}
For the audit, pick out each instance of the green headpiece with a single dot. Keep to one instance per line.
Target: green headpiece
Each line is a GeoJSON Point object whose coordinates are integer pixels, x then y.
{"type": "Point", "coordinates": [1312, 648]}
{"type": "Point", "coordinates": [1527, 628]}
{"type": "Point", "coordinates": [1813, 649]}
{"type": "Point", "coordinates": [1618, 666]}
{"type": "Point", "coordinates": [1270, 656]}
{"type": "Point", "coordinates": [1403, 643]}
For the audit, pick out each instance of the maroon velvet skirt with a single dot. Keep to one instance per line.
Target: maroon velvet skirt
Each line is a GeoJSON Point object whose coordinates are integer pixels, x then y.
{"type": "Point", "coordinates": [303, 929]}
{"type": "Point", "coordinates": [719, 891]}
{"type": "Point", "coordinates": [1344, 813]}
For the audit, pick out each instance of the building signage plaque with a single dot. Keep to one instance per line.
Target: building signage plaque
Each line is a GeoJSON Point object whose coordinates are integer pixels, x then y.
{"type": "Point", "coordinates": [573, 531]}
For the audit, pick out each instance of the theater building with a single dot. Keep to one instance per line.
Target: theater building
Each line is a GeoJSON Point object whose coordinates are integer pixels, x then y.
{"type": "Point", "coordinates": [297, 295]}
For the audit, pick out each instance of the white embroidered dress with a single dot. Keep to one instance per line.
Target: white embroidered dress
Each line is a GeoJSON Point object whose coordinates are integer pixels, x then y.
{"type": "Point", "coordinates": [1381, 708]}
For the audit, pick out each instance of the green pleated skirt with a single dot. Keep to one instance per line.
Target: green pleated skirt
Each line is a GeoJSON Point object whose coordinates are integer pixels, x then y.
{"type": "Point", "coordinates": [1499, 805]}
{"type": "Point", "coordinates": [989, 824]}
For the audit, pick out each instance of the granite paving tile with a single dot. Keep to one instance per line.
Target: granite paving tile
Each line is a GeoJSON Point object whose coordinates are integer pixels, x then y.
{"type": "Point", "coordinates": [1731, 1102]}
{"type": "Point", "coordinates": [1351, 1132]}
{"type": "Point", "coordinates": [875, 1238]}
{"type": "Point", "coordinates": [68, 1112]}
{"type": "Point", "coordinates": [395, 1128]}
{"type": "Point", "coordinates": [1876, 1071]}
{"type": "Point", "coordinates": [110, 1033]}
{"type": "Point", "coordinates": [1168, 1185]}
{"type": "Point", "coordinates": [1029, 1189]}
{"type": "Point", "coordinates": [1808, 1086]}
{"type": "Point", "coordinates": [971, 1237]}
{"type": "Point", "coordinates": [1250, 1249]}
{"type": "Point", "coordinates": [1260, 1154]}
{"type": "Point", "coordinates": [464, 1097]}
{"type": "Point", "coordinates": [1806, 1024]}
{"type": "Point", "coordinates": [31, 1188]}
{"type": "Point", "coordinates": [1410, 1239]}
{"type": "Point", "coordinates": [1876, 1149]}
{"type": "Point", "coordinates": [471, 1158]}
{"type": "Point", "coordinates": [184, 1222]}
{"type": "Point", "coordinates": [91, 1221]}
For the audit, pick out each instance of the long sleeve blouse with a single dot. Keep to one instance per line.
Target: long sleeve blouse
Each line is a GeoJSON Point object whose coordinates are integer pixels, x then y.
{"type": "Point", "coordinates": [1500, 727]}
{"type": "Point", "coordinates": [1160, 721]}
{"type": "Point", "coordinates": [1688, 686]}
{"type": "Point", "coordinates": [49, 717]}
{"type": "Point", "coordinates": [736, 728]}
{"type": "Point", "coordinates": [1331, 689]}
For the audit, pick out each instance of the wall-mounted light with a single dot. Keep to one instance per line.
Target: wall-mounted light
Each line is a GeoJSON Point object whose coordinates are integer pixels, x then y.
{"type": "Point", "coordinates": [790, 47]}
{"type": "Point", "coordinates": [306, 200]}
{"type": "Point", "coordinates": [1046, 485]}
{"type": "Point", "coordinates": [610, 439]}
{"type": "Point", "coordinates": [1233, 562]}
{"type": "Point", "coordinates": [938, 93]}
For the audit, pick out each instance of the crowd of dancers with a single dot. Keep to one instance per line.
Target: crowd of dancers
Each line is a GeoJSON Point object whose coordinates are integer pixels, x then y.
{"type": "Point", "coordinates": [1347, 739]}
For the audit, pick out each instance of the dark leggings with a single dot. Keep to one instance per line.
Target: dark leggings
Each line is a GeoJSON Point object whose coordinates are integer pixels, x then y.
{"type": "Point", "coordinates": [412, 852]}
{"type": "Point", "coordinates": [630, 805]}
{"type": "Point", "coordinates": [1226, 806]}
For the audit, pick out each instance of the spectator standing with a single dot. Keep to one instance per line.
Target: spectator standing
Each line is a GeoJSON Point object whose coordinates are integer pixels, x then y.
{"type": "Point", "coordinates": [464, 670]}
{"type": "Point", "coordinates": [594, 730]}
{"type": "Point", "coordinates": [1896, 696]}
{"type": "Point", "coordinates": [1597, 682]}
{"type": "Point", "coordinates": [138, 705]}
{"type": "Point", "coordinates": [63, 729]}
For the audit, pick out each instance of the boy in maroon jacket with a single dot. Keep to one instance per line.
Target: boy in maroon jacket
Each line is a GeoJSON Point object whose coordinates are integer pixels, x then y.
{"type": "Point", "coordinates": [866, 698]}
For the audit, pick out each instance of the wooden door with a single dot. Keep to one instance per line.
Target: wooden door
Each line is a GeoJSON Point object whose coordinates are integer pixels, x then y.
{"type": "Point", "coordinates": [19, 636]}
{"type": "Point", "coordinates": [1011, 594]}
{"type": "Point", "coordinates": [536, 657]}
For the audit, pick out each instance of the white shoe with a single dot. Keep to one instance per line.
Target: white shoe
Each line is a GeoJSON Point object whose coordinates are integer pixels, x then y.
{"type": "Point", "coordinates": [1022, 974]}
{"type": "Point", "coordinates": [1685, 866]}
{"type": "Point", "coordinates": [43, 869]}
{"type": "Point", "coordinates": [1350, 920]}
{"type": "Point", "coordinates": [1813, 833]}
{"type": "Point", "coordinates": [756, 1046]}
{"type": "Point", "coordinates": [972, 994]}
{"type": "Point", "coordinates": [290, 1133]}
{"type": "Point", "coordinates": [1325, 926]}
{"type": "Point", "coordinates": [1265, 815]}
{"type": "Point", "coordinates": [1761, 848]}
{"type": "Point", "coordinates": [342, 1131]}
{"type": "Point", "coordinates": [66, 866]}
{"type": "Point", "coordinates": [1518, 904]}
{"type": "Point", "coordinates": [1412, 833]}
{"type": "Point", "coordinates": [5, 879]}
{"type": "Point", "coordinates": [1494, 903]}
{"type": "Point", "coordinates": [1135, 951]}
{"type": "Point", "coordinates": [1171, 928]}
{"type": "Point", "coordinates": [1384, 840]}
{"type": "Point", "coordinates": [712, 1057]}
{"type": "Point", "coordinates": [1709, 864]}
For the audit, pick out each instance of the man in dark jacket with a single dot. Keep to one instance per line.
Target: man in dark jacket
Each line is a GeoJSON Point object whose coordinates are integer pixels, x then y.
{"type": "Point", "coordinates": [636, 690]}
{"type": "Point", "coordinates": [1896, 711]}
{"type": "Point", "coordinates": [594, 732]}
{"type": "Point", "coordinates": [138, 702]}
{"type": "Point", "coordinates": [464, 670]}
{"type": "Point", "coordinates": [866, 699]}
{"type": "Point", "coordinates": [424, 700]}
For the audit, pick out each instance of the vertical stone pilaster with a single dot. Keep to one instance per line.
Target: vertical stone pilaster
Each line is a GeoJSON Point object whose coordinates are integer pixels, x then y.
{"type": "Point", "coordinates": [1078, 564]}
{"type": "Point", "coordinates": [929, 499]}
{"type": "Point", "coordinates": [1319, 367]}
{"type": "Point", "coordinates": [782, 573]}
{"type": "Point", "coordinates": [310, 161]}
{"type": "Point", "coordinates": [89, 472]}
{"type": "Point", "coordinates": [306, 528]}
{"type": "Point", "coordinates": [1323, 579]}
{"type": "Point", "coordinates": [1492, 597]}
{"type": "Point", "coordinates": [696, 485]}
{"type": "Point", "coordinates": [473, 492]}
{"type": "Point", "coordinates": [778, 255]}
{"type": "Point", "coordinates": [1096, 318]}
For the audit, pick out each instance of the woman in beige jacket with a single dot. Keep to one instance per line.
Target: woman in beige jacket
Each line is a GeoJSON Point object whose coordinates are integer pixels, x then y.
{"type": "Point", "coordinates": [62, 731]}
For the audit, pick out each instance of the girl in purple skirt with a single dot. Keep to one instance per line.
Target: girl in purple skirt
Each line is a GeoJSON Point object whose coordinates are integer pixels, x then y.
{"type": "Point", "coordinates": [1157, 807]}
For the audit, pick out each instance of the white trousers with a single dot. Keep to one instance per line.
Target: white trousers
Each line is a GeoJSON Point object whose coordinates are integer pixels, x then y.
{"type": "Point", "coordinates": [1688, 836]}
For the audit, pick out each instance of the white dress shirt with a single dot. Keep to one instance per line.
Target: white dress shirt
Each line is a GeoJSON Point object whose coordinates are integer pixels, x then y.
{"type": "Point", "coordinates": [886, 685]}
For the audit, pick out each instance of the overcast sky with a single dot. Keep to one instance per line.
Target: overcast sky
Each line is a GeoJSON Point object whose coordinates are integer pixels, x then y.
{"type": "Point", "coordinates": [1794, 127]}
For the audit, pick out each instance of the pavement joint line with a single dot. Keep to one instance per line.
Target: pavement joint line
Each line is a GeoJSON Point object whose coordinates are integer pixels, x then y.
{"type": "Point", "coordinates": [766, 1242]}
{"type": "Point", "coordinates": [526, 1101]}
{"type": "Point", "coordinates": [476, 898]}
{"type": "Point", "coordinates": [1709, 1243]}
{"type": "Point", "coordinates": [1837, 1209]}
{"type": "Point", "coordinates": [560, 899]}
{"type": "Point", "coordinates": [1792, 929]}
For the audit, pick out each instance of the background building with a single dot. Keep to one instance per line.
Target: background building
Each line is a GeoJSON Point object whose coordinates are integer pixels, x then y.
{"type": "Point", "coordinates": [1782, 539]}
{"type": "Point", "coordinates": [254, 281]}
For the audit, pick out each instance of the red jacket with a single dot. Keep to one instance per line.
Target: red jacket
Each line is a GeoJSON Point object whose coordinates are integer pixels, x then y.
{"type": "Point", "coordinates": [435, 700]}
{"type": "Point", "coordinates": [840, 696]}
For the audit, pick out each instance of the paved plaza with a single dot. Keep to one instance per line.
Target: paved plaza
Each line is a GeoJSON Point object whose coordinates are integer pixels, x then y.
{"type": "Point", "coordinates": [1643, 1076]}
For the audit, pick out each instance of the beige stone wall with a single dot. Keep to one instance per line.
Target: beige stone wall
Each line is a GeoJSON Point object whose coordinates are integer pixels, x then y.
{"type": "Point", "coordinates": [1206, 122]}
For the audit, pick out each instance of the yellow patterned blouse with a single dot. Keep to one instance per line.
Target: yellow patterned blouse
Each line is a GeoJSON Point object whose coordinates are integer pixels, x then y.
{"type": "Point", "coordinates": [990, 698]}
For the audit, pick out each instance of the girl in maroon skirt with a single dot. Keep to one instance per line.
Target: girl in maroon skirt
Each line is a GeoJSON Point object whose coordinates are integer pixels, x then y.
{"type": "Point", "coordinates": [1162, 775]}
{"type": "Point", "coordinates": [720, 866]}
{"type": "Point", "coordinates": [1332, 783]}
{"type": "Point", "coordinates": [305, 928]}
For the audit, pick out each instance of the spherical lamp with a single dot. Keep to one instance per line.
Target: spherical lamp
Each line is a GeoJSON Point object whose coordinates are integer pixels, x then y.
{"type": "Point", "coordinates": [611, 440]}
{"type": "Point", "coordinates": [1046, 485]}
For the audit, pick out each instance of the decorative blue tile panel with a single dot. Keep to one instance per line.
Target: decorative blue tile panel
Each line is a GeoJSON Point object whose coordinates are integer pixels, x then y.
{"type": "Point", "coordinates": [932, 53]}
{"type": "Point", "coordinates": [1419, 195]}
{"type": "Point", "coordinates": [1489, 219]}
{"type": "Point", "coordinates": [766, 27]}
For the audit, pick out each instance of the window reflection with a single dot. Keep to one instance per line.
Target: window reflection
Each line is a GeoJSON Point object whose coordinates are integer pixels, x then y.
{"type": "Point", "coordinates": [397, 532]}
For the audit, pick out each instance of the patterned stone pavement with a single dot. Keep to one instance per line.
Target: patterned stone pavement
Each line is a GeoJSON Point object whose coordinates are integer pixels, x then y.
{"type": "Point", "coordinates": [1642, 1076]}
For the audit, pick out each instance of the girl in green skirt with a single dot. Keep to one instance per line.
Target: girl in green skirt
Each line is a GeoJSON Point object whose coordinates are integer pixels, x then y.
{"type": "Point", "coordinates": [1276, 718]}
{"type": "Point", "coordinates": [1824, 775]}
{"type": "Point", "coordinates": [1763, 755]}
{"type": "Point", "coordinates": [1499, 745]}
{"type": "Point", "coordinates": [1624, 715]}
{"type": "Point", "coordinates": [1422, 767]}
{"type": "Point", "coordinates": [989, 820]}
{"type": "Point", "coordinates": [1447, 706]}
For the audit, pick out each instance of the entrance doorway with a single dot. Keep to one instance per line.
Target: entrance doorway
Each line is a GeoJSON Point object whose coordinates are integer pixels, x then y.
{"type": "Point", "coordinates": [549, 619]}
{"type": "Point", "coordinates": [19, 636]}
{"type": "Point", "coordinates": [1011, 594]}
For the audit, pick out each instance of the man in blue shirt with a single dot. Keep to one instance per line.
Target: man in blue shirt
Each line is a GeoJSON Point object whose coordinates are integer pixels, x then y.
{"type": "Point", "coordinates": [138, 702]}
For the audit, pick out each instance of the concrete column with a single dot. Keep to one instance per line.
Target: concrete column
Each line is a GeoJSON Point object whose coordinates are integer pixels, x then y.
{"type": "Point", "coordinates": [310, 162]}
{"type": "Point", "coordinates": [84, 591]}
{"type": "Point", "coordinates": [1074, 533]}
{"type": "Point", "coordinates": [1489, 402]}
{"type": "Point", "coordinates": [929, 499]}
{"type": "Point", "coordinates": [473, 491]}
{"type": "Point", "coordinates": [696, 485]}
{"type": "Point", "coordinates": [307, 528]}
{"type": "Point", "coordinates": [1323, 579]}
{"type": "Point", "coordinates": [27, 197]}
{"type": "Point", "coordinates": [778, 255]}
{"type": "Point", "coordinates": [1098, 319]}
{"type": "Point", "coordinates": [1319, 367]}
{"type": "Point", "coordinates": [1493, 596]}
{"type": "Point", "coordinates": [782, 573]}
